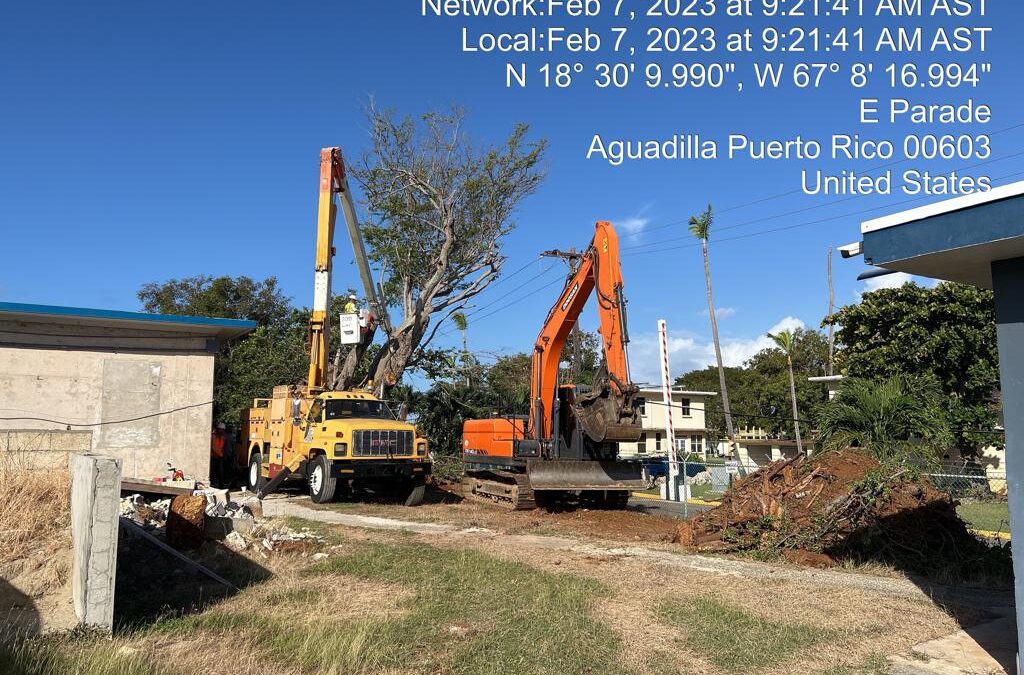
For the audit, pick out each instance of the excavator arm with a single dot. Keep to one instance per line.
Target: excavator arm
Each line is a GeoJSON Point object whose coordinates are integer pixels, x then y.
{"type": "Point", "coordinates": [517, 467]}
{"type": "Point", "coordinates": [606, 413]}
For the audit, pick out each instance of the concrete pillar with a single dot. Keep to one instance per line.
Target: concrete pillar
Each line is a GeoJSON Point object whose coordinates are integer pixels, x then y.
{"type": "Point", "coordinates": [1008, 283]}
{"type": "Point", "coordinates": [95, 509]}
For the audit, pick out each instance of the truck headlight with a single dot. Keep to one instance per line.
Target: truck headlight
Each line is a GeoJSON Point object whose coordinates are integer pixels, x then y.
{"type": "Point", "coordinates": [340, 449]}
{"type": "Point", "coordinates": [421, 448]}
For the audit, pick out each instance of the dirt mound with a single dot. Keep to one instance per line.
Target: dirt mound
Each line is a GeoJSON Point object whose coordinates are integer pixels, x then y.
{"type": "Point", "coordinates": [843, 505]}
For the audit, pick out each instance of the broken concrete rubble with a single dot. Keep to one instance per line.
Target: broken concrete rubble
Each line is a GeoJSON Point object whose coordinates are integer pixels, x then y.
{"type": "Point", "coordinates": [216, 515]}
{"type": "Point", "coordinates": [235, 541]}
{"type": "Point", "coordinates": [148, 514]}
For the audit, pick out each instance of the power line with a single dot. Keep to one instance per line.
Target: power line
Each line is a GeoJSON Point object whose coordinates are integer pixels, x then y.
{"type": "Point", "coordinates": [759, 233]}
{"type": "Point", "coordinates": [660, 242]}
{"type": "Point", "coordinates": [490, 303]}
{"type": "Point", "coordinates": [517, 271]}
{"type": "Point", "coordinates": [696, 244]}
{"type": "Point", "coordinates": [513, 291]}
{"type": "Point", "coordinates": [794, 419]}
{"type": "Point", "coordinates": [105, 422]}
{"type": "Point", "coordinates": [520, 299]}
{"type": "Point", "coordinates": [769, 198]}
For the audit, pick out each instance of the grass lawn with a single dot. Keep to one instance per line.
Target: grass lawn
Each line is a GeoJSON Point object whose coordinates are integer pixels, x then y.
{"type": "Point", "coordinates": [439, 610]}
{"type": "Point", "coordinates": [990, 516]}
{"type": "Point", "coordinates": [397, 603]}
{"type": "Point", "coordinates": [738, 641]}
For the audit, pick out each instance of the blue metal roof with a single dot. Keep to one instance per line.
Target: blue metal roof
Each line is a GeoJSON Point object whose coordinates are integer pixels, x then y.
{"type": "Point", "coordinates": [215, 326]}
{"type": "Point", "coordinates": [956, 240]}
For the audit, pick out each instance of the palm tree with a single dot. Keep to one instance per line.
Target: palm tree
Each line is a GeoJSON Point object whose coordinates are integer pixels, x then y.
{"type": "Point", "coordinates": [785, 341]}
{"type": "Point", "coordinates": [893, 419]}
{"type": "Point", "coordinates": [462, 324]}
{"type": "Point", "coordinates": [700, 227]}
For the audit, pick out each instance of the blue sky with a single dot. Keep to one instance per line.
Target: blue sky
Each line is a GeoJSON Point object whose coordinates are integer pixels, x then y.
{"type": "Point", "coordinates": [145, 141]}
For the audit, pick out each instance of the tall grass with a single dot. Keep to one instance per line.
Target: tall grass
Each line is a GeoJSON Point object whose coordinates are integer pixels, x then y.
{"type": "Point", "coordinates": [73, 655]}
{"type": "Point", "coordinates": [35, 508]}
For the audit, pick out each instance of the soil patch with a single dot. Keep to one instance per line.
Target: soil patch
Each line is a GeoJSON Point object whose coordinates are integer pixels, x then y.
{"type": "Point", "coordinates": [445, 505]}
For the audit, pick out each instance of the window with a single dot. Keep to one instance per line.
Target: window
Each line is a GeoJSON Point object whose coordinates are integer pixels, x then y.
{"type": "Point", "coordinates": [681, 444]}
{"type": "Point", "coordinates": [657, 442]}
{"type": "Point", "coordinates": [641, 403]}
{"type": "Point", "coordinates": [697, 445]}
{"type": "Point", "coordinates": [345, 408]}
{"type": "Point", "coordinates": [641, 445]}
{"type": "Point", "coordinates": [684, 403]}
{"type": "Point", "coordinates": [315, 414]}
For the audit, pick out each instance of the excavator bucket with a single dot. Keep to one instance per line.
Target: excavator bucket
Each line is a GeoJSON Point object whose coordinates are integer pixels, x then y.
{"type": "Point", "coordinates": [575, 474]}
{"type": "Point", "coordinates": [606, 415]}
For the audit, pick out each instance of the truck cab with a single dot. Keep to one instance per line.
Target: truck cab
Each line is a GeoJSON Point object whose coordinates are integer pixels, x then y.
{"type": "Point", "coordinates": [341, 441]}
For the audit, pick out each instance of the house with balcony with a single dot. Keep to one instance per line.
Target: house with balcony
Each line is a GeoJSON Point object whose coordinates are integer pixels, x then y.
{"type": "Point", "coordinates": [688, 422]}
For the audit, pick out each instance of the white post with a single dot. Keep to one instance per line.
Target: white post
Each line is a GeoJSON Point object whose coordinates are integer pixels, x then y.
{"type": "Point", "coordinates": [666, 392]}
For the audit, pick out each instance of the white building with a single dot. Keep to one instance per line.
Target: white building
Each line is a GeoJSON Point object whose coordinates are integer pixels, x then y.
{"type": "Point", "coordinates": [688, 423]}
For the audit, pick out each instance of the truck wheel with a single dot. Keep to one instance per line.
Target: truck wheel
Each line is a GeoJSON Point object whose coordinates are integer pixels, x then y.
{"type": "Point", "coordinates": [254, 477]}
{"type": "Point", "coordinates": [415, 496]}
{"type": "Point", "coordinates": [321, 483]}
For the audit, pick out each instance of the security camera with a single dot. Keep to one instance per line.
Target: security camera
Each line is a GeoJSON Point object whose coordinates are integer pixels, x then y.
{"type": "Point", "coordinates": [852, 250]}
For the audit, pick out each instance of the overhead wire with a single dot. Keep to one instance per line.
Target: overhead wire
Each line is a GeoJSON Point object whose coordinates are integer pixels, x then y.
{"type": "Point", "coordinates": [781, 418]}
{"type": "Point", "coordinates": [759, 233]}
{"type": "Point", "coordinates": [104, 422]}
{"type": "Point", "coordinates": [661, 242]}
{"type": "Point", "coordinates": [658, 246]}
{"type": "Point", "coordinates": [788, 193]}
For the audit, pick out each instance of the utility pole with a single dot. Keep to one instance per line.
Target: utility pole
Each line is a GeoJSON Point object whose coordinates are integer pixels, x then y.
{"type": "Point", "coordinates": [831, 308]}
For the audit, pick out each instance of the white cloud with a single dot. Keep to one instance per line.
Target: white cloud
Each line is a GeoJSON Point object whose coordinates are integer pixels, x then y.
{"type": "Point", "coordinates": [888, 281]}
{"type": "Point", "coordinates": [687, 353]}
{"type": "Point", "coordinates": [892, 281]}
{"type": "Point", "coordinates": [634, 225]}
{"type": "Point", "coordinates": [721, 312]}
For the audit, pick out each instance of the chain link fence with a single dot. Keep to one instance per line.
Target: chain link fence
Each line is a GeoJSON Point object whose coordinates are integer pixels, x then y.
{"type": "Point", "coordinates": [709, 479]}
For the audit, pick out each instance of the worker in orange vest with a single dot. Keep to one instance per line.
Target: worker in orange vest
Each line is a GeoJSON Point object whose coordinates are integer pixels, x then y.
{"type": "Point", "coordinates": [218, 459]}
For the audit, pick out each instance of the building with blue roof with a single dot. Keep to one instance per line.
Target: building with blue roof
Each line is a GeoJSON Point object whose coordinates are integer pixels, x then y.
{"type": "Point", "coordinates": [132, 385]}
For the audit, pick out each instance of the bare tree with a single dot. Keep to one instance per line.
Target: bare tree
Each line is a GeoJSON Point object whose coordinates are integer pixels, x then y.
{"type": "Point", "coordinates": [439, 207]}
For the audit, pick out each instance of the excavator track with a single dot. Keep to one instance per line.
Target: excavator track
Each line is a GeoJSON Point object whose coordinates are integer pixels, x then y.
{"type": "Point", "coordinates": [506, 489]}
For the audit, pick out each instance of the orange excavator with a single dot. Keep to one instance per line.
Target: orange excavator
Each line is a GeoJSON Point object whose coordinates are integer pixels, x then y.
{"type": "Point", "coordinates": [567, 448]}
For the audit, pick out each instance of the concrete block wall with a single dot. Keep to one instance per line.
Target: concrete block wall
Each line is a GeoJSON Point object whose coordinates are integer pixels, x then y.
{"type": "Point", "coordinates": [41, 448]}
{"type": "Point", "coordinates": [95, 512]}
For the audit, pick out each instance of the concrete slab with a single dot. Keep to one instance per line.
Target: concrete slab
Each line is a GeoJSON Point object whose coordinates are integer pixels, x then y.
{"type": "Point", "coordinates": [980, 650]}
{"type": "Point", "coordinates": [276, 508]}
{"type": "Point", "coordinates": [95, 508]}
